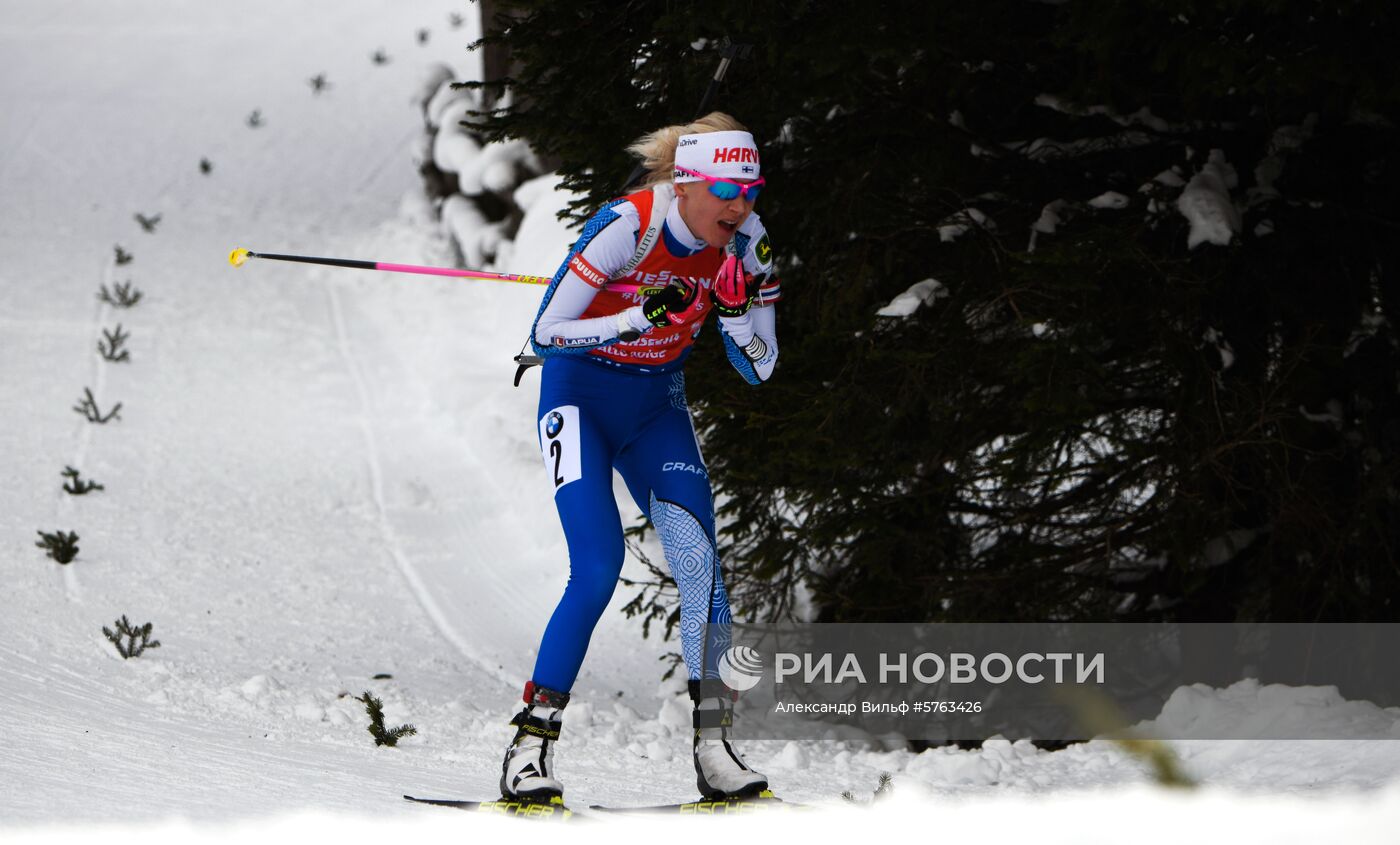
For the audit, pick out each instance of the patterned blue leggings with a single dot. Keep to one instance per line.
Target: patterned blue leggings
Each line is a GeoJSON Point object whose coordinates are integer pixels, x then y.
{"type": "Point", "coordinates": [594, 418]}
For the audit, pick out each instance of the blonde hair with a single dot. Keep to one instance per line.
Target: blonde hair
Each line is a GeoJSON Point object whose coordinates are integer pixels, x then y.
{"type": "Point", "coordinates": [657, 150]}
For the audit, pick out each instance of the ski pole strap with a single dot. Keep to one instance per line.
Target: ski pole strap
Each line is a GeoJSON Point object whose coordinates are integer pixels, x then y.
{"type": "Point", "coordinates": [523, 363]}
{"type": "Point", "coordinates": [710, 688]}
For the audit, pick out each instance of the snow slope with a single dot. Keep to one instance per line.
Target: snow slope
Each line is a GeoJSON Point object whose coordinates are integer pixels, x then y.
{"type": "Point", "coordinates": [317, 476]}
{"type": "Point", "coordinates": [320, 476]}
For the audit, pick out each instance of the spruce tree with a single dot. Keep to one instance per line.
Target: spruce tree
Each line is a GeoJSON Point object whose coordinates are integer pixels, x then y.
{"type": "Point", "coordinates": [1089, 418]}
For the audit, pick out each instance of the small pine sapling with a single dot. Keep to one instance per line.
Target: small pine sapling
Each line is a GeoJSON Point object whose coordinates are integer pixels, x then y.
{"type": "Point", "coordinates": [206, 166]}
{"type": "Point", "coordinates": [380, 57]}
{"type": "Point", "coordinates": [122, 256]}
{"type": "Point", "coordinates": [148, 224]}
{"type": "Point", "coordinates": [382, 736]}
{"type": "Point", "coordinates": [319, 83]}
{"type": "Point", "coordinates": [423, 36]}
{"type": "Point", "coordinates": [110, 347]}
{"type": "Point", "coordinates": [62, 546]}
{"type": "Point", "coordinates": [130, 642]}
{"type": "Point", "coordinates": [884, 790]}
{"type": "Point", "coordinates": [456, 20]}
{"type": "Point", "coordinates": [76, 486]}
{"type": "Point", "coordinates": [255, 119]}
{"type": "Point", "coordinates": [121, 296]}
{"type": "Point", "coordinates": [886, 787]}
{"type": "Point", "coordinates": [88, 408]}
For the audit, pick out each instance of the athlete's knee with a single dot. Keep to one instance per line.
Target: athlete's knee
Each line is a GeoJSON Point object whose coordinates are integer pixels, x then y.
{"type": "Point", "coordinates": [593, 579]}
{"type": "Point", "coordinates": [681, 528]}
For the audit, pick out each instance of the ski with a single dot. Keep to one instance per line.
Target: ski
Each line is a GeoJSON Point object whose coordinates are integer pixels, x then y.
{"type": "Point", "coordinates": [554, 809]}
{"type": "Point", "coordinates": [765, 801]}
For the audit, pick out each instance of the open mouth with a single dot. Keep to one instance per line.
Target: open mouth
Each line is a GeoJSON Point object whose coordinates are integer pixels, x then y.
{"type": "Point", "coordinates": [729, 226]}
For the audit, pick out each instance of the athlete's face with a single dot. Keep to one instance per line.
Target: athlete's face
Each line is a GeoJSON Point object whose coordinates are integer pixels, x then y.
{"type": "Point", "coordinates": [710, 218]}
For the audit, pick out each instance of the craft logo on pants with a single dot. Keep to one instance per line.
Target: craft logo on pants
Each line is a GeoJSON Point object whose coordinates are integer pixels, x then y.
{"type": "Point", "coordinates": [559, 444]}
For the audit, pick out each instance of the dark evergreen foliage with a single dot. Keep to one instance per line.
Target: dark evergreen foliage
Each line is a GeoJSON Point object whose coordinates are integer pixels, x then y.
{"type": "Point", "coordinates": [382, 735]}
{"type": "Point", "coordinates": [1106, 425]}
{"type": "Point", "coordinates": [76, 486]}
{"type": "Point", "coordinates": [88, 408]}
{"type": "Point", "coordinates": [121, 295]}
{"type": "Point", "coordinates": [110, 346]}
{"type": "Point", "coordinates": [62, 546]}
{"type": "Point", "coordinates": [130, 641]}
{"type": "Point", "coordinates": [884, 790]}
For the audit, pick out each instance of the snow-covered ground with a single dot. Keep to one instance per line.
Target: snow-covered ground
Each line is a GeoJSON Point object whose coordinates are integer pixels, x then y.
{"type": "Point", "coordinates": [320, 476]}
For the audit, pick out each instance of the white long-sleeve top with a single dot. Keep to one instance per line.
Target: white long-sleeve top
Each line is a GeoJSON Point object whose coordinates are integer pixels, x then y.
{"type": "Point", "coordinates": [588, 306]}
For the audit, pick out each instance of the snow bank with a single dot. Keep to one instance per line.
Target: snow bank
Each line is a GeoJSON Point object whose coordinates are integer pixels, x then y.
{"type": "Point", "coordinates": [447, 105]}
{"type": "Point", "coordinates": [542, 240]}
{"type": "Point", "coordinates": [1249, 709]}
{"type": "Point", "coordinates": [454, 150]}
{"type": "Point", "coordinates": [432, 85]}
{"type": "Point", "coordinates": [1343, 756]}
{"type": "Point", "coordinates": [475, 181]}
{"type": "Point", "coordinates": [469, 228]}
{"type": "Point", "coordinates": [1142, 815]}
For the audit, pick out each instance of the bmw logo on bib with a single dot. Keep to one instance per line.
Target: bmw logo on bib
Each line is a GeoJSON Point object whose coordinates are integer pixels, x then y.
{"type": "Point", "coordinates": [553, 424]}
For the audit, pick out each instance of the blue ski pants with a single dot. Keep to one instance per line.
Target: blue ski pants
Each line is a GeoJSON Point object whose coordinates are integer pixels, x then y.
{"type": "Point", "coordinates": [594, 418]}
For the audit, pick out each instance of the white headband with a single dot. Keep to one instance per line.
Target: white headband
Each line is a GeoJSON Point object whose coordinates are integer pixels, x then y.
{"type": "Point", "coordinates": [728, 155]}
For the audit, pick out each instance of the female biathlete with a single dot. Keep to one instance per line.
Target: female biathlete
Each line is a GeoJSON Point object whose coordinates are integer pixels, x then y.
{"type": "Point", "coordinates": [614, 331]}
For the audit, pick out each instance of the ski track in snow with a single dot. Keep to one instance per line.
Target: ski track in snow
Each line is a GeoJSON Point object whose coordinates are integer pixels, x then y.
{"type": "Point", "coordinates": [98, 381]}
{"type": "Point", "coordinates": [376, 482]}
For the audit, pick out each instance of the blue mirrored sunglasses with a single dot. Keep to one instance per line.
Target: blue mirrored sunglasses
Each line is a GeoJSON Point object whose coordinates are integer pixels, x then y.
{"type": "Point", "coordinates": [727, 189]}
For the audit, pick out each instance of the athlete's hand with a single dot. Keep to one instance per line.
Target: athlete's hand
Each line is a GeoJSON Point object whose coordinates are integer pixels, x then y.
{"type": "Point", "coordinates": [676, 304]}
{"type": "Point", "coordinates": [734, 288]}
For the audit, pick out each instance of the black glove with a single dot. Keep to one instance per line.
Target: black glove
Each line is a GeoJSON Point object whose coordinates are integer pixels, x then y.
{"type": "Point", "coordinates": [674, 305]}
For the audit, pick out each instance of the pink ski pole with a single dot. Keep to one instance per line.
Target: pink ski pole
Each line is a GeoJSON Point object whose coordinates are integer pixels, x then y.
{"type": "Point", "coordinates": [240, 255]}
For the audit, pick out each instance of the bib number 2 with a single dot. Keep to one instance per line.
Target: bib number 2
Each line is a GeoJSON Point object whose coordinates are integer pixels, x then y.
{"type": "Point", "coordinates": [559, 444]}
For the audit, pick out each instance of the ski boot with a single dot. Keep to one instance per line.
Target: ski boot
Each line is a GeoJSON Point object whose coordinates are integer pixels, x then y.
{"type": "Point", "coordinates": [527, 774]}
{"type": "Point", "coordinates": [720, 772]}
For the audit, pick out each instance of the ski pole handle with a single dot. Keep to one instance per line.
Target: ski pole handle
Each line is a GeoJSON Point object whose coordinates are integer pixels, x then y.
{"type": "Point", "coordinates": [240, 255]}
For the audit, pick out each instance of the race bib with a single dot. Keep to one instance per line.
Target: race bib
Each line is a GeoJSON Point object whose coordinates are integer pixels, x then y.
{"type": "Point", "coordinates": [559, 444]}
